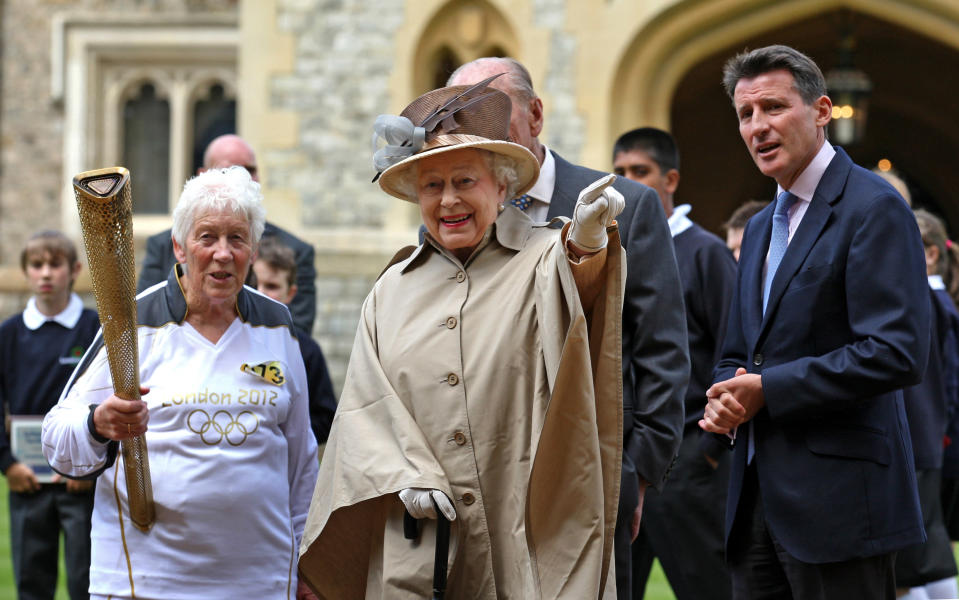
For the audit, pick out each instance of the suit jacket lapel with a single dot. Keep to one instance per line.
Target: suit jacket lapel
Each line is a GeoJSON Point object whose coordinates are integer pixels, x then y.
{"type": "Point", "coordinates": [565, 189]}
{"type": "Point", "coordinates": [752, 267]}
{"type": "Point", "coordinates": [828, 192]}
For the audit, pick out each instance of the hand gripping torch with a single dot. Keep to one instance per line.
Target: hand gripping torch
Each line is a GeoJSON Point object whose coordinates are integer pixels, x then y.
{"type": "Point", "coordinates": [106, 216]}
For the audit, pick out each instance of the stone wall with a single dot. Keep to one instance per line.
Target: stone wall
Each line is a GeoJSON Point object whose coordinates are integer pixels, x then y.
{"type": "Point", "coordinates": [31, 124]}
{"type": "Point", "coordinates": [345, 52]}
{"type": "Point", "coordinates": [339, 84]}
{"type": "Point", "coordinates": [563, 125]}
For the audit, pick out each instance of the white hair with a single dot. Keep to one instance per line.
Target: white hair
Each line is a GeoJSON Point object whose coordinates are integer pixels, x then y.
{"type": "Point", "coordinates": [216, 190]}
{"type": "Point", "coordinates": [502, 167]}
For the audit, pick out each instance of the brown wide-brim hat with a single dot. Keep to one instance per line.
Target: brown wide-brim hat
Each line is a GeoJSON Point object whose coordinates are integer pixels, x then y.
{"type": "Point", "coordinates": [452, 118]}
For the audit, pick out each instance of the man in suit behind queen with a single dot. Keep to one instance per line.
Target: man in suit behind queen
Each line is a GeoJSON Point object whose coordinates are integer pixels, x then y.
{"type": "Point", "coordinates": [655, 354]}
{"type": "Point", "coordinates": [829, 321]}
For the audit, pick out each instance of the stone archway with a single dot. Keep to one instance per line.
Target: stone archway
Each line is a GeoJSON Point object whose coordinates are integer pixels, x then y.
{"type": "Point", "coordinates": [911, 116]}
{"type": "Point", "coordinates": [459, 32]}
{"type": "Point", "coordinates": [671, 75]}
{"type": "Point", "coordinates": [681, 36]}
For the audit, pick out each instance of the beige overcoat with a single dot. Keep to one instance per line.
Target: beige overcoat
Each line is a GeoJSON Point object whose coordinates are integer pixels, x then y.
{"type": "Point", "coordinates": [489, 382]}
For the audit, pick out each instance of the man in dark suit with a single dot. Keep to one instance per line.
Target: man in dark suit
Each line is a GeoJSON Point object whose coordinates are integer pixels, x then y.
{"type": "Point", "coordinates": [227, 151]}
{"type": "Point", "coordinates": [682, 525]}
{"type": "Point", "coordinates": [829, 322]}
{"type": "Point", "coordinates": [655, 357]}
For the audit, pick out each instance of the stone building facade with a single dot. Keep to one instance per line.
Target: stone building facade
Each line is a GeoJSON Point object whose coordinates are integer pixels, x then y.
{"type": "Point", "coordinates": [310, 76]}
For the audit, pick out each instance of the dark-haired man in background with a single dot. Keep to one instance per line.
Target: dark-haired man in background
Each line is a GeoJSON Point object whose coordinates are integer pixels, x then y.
{"type": "Point", "coordinates": [683, 524]}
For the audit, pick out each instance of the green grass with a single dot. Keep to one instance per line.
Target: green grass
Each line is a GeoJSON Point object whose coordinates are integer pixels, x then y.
{"type": "Point", "coordinates": [8, 590]}
{"type": "Point", "coordinates": [657, 588]}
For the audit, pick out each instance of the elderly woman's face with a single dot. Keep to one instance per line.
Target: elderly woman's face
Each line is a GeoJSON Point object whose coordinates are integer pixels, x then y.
{"type": "Point", "coordinates": [459, 198]}
{"type": "Point", "coordinates": [217, 253]}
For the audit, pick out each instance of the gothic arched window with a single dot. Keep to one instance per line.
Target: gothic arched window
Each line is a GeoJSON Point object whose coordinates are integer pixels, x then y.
{"type": "Point", "coordinates": [146, 149]}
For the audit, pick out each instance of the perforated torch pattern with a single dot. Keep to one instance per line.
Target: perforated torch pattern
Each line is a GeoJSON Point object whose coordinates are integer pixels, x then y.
{"type": "Point", "coordinates": [104, 201]}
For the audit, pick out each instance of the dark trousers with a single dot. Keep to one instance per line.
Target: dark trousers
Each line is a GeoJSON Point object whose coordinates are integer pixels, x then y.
{"type": "Point", "coordinates": [35, 524]}
{"type": "Point", "coordinates": [628, 499]}
{"type": "Point", "coordinates": [761, 568]}
{"type": "Point", "coordinates": [684, 527]}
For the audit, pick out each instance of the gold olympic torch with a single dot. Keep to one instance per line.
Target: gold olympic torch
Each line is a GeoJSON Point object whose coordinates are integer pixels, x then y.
{"type": "Point", "coordinates": [106, 216]}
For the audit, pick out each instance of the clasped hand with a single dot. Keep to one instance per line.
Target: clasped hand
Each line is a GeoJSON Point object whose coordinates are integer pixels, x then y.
{"type": "Point", "coordinates": [733, 402]}
{"type": "Point", "coordinates": [595, 210]}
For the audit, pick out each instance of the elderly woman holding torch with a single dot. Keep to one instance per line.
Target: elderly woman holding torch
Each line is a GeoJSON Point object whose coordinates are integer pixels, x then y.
{"type": "Point", "coordinates": [485, 377]}
{"type": "Point", "coordinates": [232, 457]}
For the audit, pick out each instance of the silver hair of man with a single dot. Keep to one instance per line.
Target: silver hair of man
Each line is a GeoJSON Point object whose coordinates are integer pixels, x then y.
{"type": "Point", "coordinates": [220, 190]}
{"type": "Point", "coordinates": [515, 71]}
{"type": "Point", "coordinates": [501, 166]}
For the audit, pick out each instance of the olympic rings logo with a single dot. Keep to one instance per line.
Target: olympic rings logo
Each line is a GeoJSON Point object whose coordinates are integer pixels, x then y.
{"type": "Point", "coordinates": [222, 426]}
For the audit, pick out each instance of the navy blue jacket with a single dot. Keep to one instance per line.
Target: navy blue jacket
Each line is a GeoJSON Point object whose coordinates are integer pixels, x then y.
{"type": "Point", "coordinates": [950, 367]}
{"type": "Point", "coordinates": [707, 271]}
{"type": "Point", "coordinates": [322, 398]}
{"type": "Point", "coordinates": [846, 328]}
{"type": "Point", "coordinates": [36, 366]}
{"type": "Point", "coordinates": [928, 401]}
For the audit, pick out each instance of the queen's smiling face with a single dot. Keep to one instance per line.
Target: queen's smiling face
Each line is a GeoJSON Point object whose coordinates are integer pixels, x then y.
{"type": "Point", "coordinates": [459, 198]}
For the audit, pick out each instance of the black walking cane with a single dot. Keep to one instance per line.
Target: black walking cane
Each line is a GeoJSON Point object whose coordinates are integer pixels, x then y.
{"type": "Point", "coordinates": [441, 559]}
{"type": "Point", "coordinates": [441, 556]}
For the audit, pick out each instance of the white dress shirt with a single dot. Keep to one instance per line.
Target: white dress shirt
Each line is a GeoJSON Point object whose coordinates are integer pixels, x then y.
{"type": "Point", "coordinates": [33, 318]}
{"type": "Point", "coordinates": [804, 188]}
{"type": "Point", "coordinates": [542, 191]}
{"type": "Point", "coordinates": [678, 221]}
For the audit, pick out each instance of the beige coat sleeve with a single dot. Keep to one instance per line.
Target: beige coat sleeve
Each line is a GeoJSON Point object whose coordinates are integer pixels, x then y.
{"type": "Point", "coordinates": [583, 354]}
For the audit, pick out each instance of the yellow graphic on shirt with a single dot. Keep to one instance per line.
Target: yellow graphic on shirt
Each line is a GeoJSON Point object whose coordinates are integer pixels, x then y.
{"type": "Point", "coordinates": [270, 372]}
{"type": "Point", "coordinates": [222, 425]}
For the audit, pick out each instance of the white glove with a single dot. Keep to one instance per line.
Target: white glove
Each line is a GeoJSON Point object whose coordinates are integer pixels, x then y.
{"type": "Point", "coordinates": [419, 503]}
{"type": "Point", "coordinates": [597, 207]}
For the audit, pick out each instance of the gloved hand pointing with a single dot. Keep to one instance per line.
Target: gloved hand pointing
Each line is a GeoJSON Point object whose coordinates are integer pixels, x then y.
{"type": "Point", "coordinates": [419, 503]}
{"type": "Point", "coordinates": [597, 207]}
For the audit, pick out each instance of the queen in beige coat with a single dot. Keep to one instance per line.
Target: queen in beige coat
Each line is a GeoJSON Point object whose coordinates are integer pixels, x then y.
{"type": "Point", "coordinates": [485, 376]}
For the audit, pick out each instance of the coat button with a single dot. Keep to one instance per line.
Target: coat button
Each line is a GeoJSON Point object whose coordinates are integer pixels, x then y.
{"type": "Point", "coordinates": [459, 437]}
{"type": "Point", "coordinates": [468, 498]}
{"type": "Point", "coordinates": [452, 379]}
{"type": "Point", "coordinates": [451, 323]}
{"type": "Point", "coordinates": [460, 277]}
{"type": "Point", "coordinates": [758, 359]}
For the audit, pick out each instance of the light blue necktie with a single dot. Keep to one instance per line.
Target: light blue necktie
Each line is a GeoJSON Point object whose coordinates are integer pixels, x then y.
{"type": "Point", "coordinates": [778, 241]}
{"type": "Point", "coordinates": [523, 202]}
{"type": "Point", "coordinates": [777, 249]}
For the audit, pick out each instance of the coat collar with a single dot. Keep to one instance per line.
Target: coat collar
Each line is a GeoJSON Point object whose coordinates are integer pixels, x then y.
{"type": "Point", "coordinates": [511, 230]}
{"type": "Point", "coordinates": [828, 192]}
{"type": "Point", "coordinates": [176, 298]}
{"type": "Point", "coordinates": [68, 317]}
{"type": "Point", "coordinates": [564, 188]}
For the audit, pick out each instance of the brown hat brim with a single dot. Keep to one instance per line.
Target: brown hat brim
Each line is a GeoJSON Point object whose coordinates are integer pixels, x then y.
{"type": "Point", "coordinates": [527, 167]}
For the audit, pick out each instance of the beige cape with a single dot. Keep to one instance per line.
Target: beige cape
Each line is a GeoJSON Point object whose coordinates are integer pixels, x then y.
{"type": "Point", "coordinates": [560, 474]}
